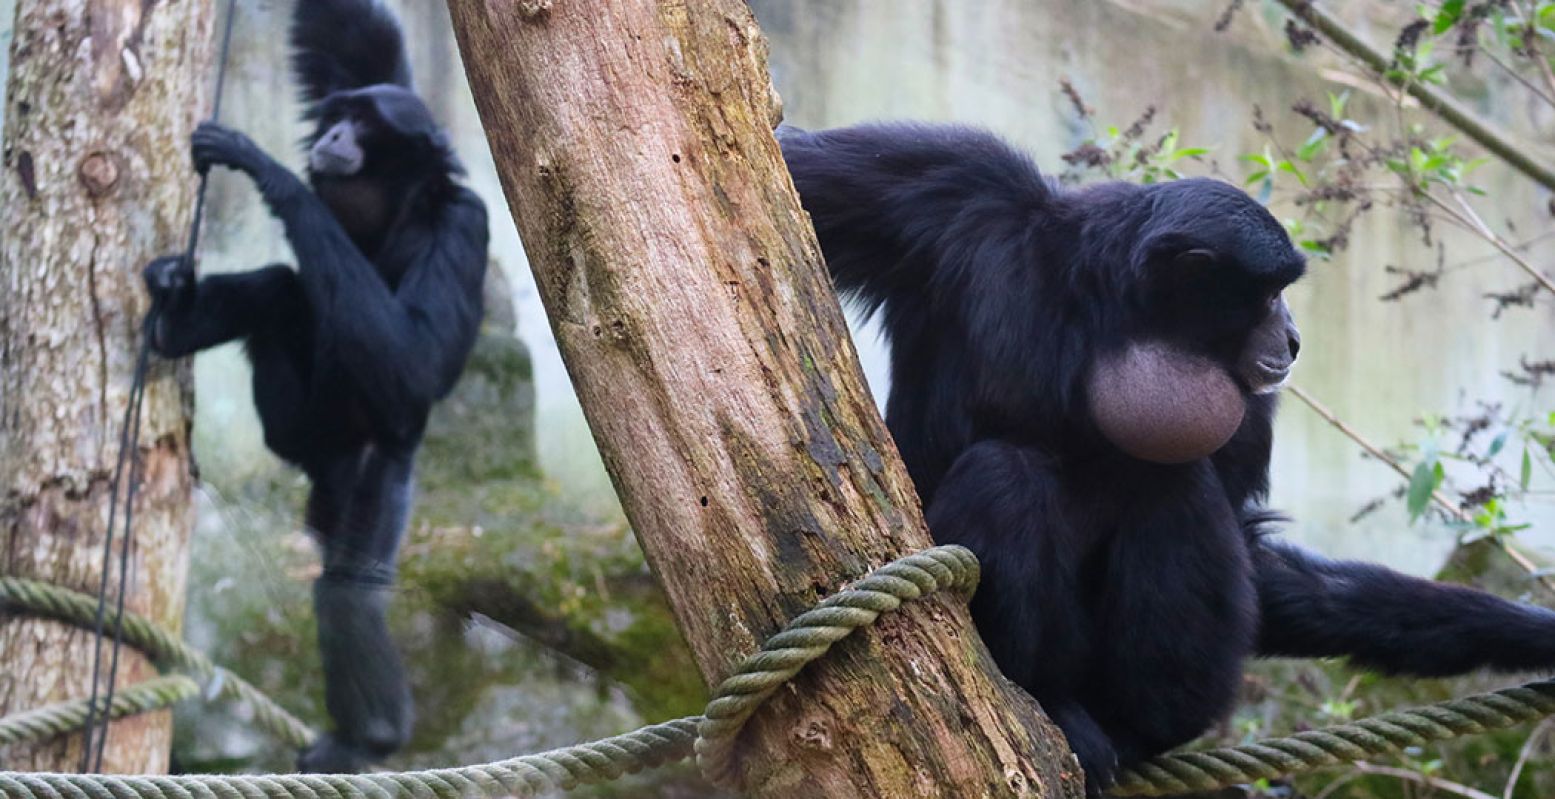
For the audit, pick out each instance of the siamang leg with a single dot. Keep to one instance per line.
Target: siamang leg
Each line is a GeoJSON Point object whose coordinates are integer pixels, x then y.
{"type": "Point", "coordinates": [366, 689]}
{"type": "Point", "coordinates": [1314, 607]}
{"type": "Point", "coordinates": [1002, 502]}
{"type": "Point", "coordinates": [188, 315]}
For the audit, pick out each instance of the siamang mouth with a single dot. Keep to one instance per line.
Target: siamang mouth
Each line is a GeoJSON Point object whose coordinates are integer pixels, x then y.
{"type": "Point", "coordinates": [328, 163]}
{"type": "Point", "coordinates": [1266, 377]}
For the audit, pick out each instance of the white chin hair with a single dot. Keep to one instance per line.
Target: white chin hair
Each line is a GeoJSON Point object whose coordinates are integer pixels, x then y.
{"type": "Point", "coordinates": [1272, 387]}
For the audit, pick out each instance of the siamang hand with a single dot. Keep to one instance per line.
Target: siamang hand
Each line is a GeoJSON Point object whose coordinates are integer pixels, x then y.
{"type": "Point", "coordinates": [216, 145]}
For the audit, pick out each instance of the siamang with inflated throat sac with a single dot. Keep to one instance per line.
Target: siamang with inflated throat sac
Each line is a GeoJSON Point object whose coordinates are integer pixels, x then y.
{"type": "Point", "coordinates": [351, 349]}
{"type": "Point", "coordinates": [1083, 390]}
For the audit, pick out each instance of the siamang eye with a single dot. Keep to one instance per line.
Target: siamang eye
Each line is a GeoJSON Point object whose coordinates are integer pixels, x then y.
{"type": "Point", "coordinates": [1195, 257]}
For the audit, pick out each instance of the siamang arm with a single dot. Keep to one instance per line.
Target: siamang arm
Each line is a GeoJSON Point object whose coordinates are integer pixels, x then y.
{"type": "Point", "coordinates": [893, 203]}
{"type": "Point", "coordinates": [405, 347]}
{"type": "Point", "coordinates": [1380, 619]}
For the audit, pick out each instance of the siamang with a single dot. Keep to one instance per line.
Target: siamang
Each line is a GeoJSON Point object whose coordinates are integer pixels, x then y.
{"type": "Point", "coordinates": [351, 349]}
{"type": "Point", "coordinates": [1083, 388]}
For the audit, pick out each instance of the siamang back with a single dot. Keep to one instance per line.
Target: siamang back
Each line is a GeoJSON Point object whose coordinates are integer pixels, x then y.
{"type": "Point", "coordinates": [351, 349]}
{"type": "Point", "coordinates": [1083, 391]}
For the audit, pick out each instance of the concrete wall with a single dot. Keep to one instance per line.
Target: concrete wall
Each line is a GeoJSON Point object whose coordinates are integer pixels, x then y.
{"type": "Point", "coordinates": [997, 63]}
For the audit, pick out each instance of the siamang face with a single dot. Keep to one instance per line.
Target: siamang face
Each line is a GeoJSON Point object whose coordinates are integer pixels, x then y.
{"type": "Point", "coordinates": [1214, 266]}
{"type": "Point", "coordinates": [1212, 326]}
{"type": "Point", "coordinates": [1207, 303]}
{"type": "Point", "coordinates": [371, 129]}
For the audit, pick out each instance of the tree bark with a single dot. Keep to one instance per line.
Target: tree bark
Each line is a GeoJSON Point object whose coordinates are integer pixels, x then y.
{"type": "Point", "coordinates": [688, 294]}
{"type": "Point", "coordinates": [100, 101]}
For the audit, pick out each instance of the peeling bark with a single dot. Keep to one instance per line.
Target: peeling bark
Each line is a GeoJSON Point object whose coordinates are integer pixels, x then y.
{"type": "Point", "coordinates": [689, 298]}
{"type": "Point", "coordinates": [100, 101]}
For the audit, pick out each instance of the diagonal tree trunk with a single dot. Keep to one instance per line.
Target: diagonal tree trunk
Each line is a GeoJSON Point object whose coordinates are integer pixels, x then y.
{"type": "Point", "coordinates": [687, 292]}
{"type": "Point", "coordinates": [101, 97]}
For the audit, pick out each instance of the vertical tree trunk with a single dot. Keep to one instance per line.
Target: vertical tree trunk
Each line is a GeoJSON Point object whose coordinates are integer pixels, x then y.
{"type": "Point", "coordinates": [688, 294]}
{"type": "Point", "coordinates": [101, 98]}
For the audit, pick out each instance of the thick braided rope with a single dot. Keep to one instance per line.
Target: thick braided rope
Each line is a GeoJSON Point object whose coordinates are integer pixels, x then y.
{"type": "Point", "coordinates": [57, 719]}
{"type": "Point", "coordinates": [805, 638]}
{"type": "Point", "coordinates": [811, 634]}
{"type": "Point", "coordinates": [166, 651]}
{"type": "Point", "coordinates": [1345, 743]}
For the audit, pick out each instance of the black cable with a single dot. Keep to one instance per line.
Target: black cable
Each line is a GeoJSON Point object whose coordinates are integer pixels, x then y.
{"type": "Point", "coordinates": [137, 384]}
{"type": "Point", "coordinates": [137, 401]}
{"type": "Point", "coordinates": [96, 741]}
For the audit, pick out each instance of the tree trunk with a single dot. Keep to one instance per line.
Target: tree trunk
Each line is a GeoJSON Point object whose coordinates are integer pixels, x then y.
{"type": "Point", "coordinates": [689, 298]}
{"type": "Point", "coordinates": [101, 98]}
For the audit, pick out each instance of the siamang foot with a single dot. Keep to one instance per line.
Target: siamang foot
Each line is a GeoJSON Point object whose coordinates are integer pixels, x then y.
{"type": "Point", "coordinates": [170, 282]}
{"type": "Point", "coordinates": [330, 755]}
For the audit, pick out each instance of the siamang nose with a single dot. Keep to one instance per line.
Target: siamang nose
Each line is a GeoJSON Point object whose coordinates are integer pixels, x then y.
{"type": "Point", "coordinates": [1293, 337]}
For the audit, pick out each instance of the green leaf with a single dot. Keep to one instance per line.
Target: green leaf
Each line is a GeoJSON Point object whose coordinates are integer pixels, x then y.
{"type": "Point", "coordinates": [1421, 484]}
{"type": "Point", "coordinates": [1256, 176]}
{"type": "Point", "coordinates": [1313, 145]}
{"type": "Point", "coordinates": [1447, 16]}
{"type": "Point", "coordinates": [1497, 443]}
{"type": "Point", "coordinates": [1337, 102]}
{"type": "Point", "coordinates": [1266, 192]}
{"type": "Point", "coordinates": [1189, 152]}
{"type": "Point", "coordinates": [1527, 473]}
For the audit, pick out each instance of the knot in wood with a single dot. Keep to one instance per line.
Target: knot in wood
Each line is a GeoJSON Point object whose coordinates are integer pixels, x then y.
{"type": "Point", "coordinates": [532, 9]}
{"type": "Point", "coordinates": [99, 174]}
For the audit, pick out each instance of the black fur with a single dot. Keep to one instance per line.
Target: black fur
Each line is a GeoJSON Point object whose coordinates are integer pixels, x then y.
{"type": "Point", "coordinates": [1124, 595]}
{"type": "Point", "coordinates": [339, 45]}
{"type": "Point", "coordinates": [351, 349]}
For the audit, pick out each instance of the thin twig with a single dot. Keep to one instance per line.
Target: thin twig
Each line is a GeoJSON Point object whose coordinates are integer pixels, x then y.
{"type": "Point", "coordinates": [1532, 43]}
{"type": "Point", "coordinates": [1436, 783]}
{"type": "Point", "coordinates": [1515, 75]}
{"type": "Point", "coordinates": [1534, 738]}
{"type": "Point", "coordinates": [1472, 221]}
{"type": "Point", "coordinates": [1437, 496]}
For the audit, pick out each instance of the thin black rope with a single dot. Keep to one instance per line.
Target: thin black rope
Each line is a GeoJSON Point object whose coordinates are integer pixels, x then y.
{"type": "Point", "coordinates": [96, 740]}
{"type": "Point", "coordinates": [137, 401]}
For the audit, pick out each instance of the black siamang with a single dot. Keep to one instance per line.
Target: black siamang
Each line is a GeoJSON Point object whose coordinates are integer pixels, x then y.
{"type": "Point", "coordinates": [1083, 389]}
{"type": "Point", "coordinates": [352, 348]}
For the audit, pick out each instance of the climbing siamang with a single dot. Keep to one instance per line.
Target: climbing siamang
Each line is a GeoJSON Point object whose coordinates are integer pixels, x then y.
{"type": "Point", "coordinates": [352, 348]}
{"type": "Point", "coordinates": [1083, 389]}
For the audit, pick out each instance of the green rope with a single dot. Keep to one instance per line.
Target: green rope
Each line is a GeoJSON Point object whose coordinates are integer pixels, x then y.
{"type": "Point", "coordinates": [813, 632]}
{"type": "Point", "coordinates": [165, 651]}
{"type": "Point", "coordinates": [57, 719]}
{"type": "Point", "coordinates": [1344, 743]}
{"type": "Point", "coordinates": [805, 639]}
{"type": "Point", "coordinates": [712, 736]}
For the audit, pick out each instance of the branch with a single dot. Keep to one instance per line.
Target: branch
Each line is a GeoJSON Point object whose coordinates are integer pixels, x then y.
{"type": "Point", "coordinates": [1438, 497]}
{"type": "Point", "coordinates": [1445, 106]}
